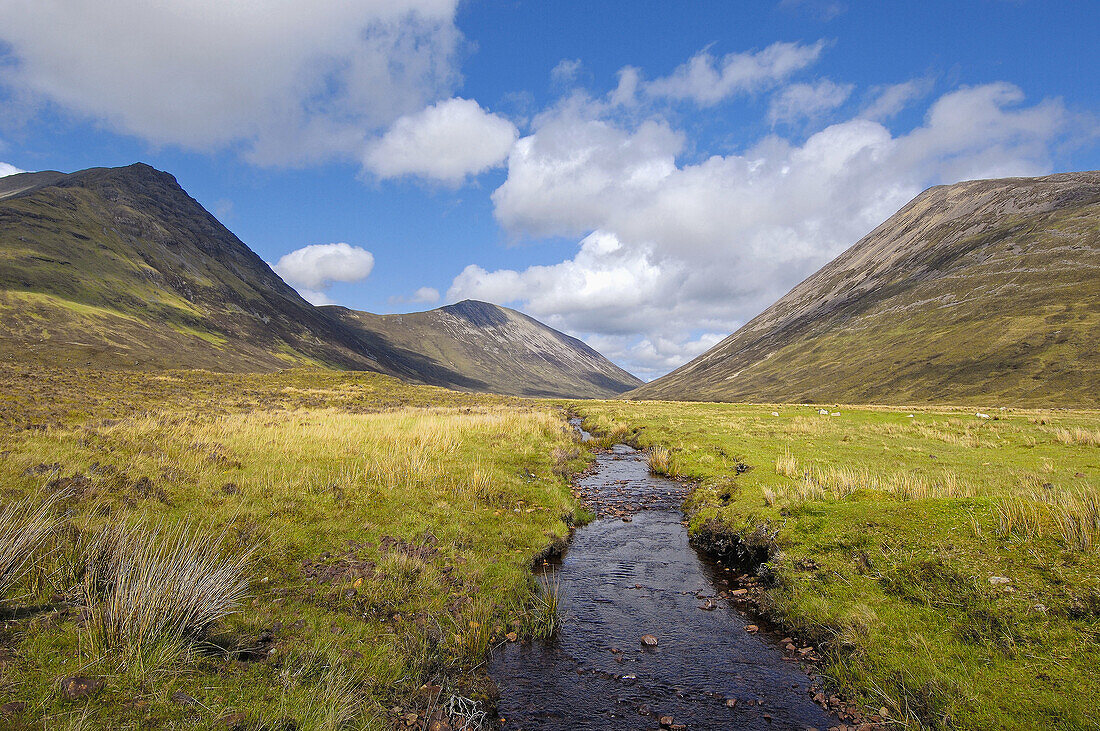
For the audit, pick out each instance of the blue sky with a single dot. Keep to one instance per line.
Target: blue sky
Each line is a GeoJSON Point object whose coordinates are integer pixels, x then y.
{"type": "Point", "coordinates": [645, 175]}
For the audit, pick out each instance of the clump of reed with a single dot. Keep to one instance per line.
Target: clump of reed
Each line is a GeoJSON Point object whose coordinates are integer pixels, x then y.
{"type": "Point", "coordinates": [662, 461]}
{"type": "Point", "coordinates": [153, 590]}
{"type": "Point", "coordinates": [827, 482]}
{"type": "Point", "coordinates": [25, 526]}
{"type": "Point", "coordinates": [1070, 516]}
{"type": "Point", "coordinates": [546, 617]}
{"type": "Point", "coordinates": [787, 465]}
{"type": "Point", "coordinates": [1078, 436]}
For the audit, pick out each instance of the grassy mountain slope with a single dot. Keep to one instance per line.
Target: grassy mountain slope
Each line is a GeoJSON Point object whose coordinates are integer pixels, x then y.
{"type": "Point", "coordinates": [986, 291]}
{"type": "Point", "coordinates": [497, 345]}
{"type": "Point", "coordinates": [119, 267]}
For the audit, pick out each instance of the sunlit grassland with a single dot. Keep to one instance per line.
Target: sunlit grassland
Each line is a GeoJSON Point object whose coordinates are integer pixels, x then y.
{"type": "Point", "coordinates": [888, 525]}
{"type": "Point", "coordinates": [388, 533]}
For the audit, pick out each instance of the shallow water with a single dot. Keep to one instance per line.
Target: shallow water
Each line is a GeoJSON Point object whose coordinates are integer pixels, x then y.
{"type": "Point", "coordinates": [619, 580]}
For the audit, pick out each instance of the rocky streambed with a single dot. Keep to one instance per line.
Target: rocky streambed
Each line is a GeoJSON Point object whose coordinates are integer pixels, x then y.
{"type": "Point", "coordinates": [652, 635]}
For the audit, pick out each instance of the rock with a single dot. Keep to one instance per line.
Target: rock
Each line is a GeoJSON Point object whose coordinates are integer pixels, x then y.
{"type": "Point", "coordinates": [790, 647]}
{"type": "Point", "coordinates": [183, 699]}
{"type": "Point", "coordinates": [627, 519]}
{"type": "Point", "coordinates": [751, 628]}
{"type": "Point", "coordinates": [81, 687]}
{"type": "Point", "coordinates": [667, 721]}
{"type": "Point", "coordinates": [739, 592]}
{"type": "Point", "coordinates": [731, 703]}
{"type": "Point", "coordinates": [649, 641]}
{"type": "Point", "coordinates": [233, 720]}
{"type": "Point", "coordinates": [12, 709]}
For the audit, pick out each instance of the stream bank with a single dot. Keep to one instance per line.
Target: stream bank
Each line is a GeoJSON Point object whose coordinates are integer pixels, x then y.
{"type": "Point", "coordinates": [630, 573]}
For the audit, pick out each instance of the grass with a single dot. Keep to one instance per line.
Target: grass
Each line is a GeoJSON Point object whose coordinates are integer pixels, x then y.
{"type": "Point", "coordinates": [25, 526]}
{"type": "Point", "coordinates": [662, 461]}
{"type": "Point", "coordinates": [152, 590]}
{"type": "Point", "coordinates": [392, 531]}
{"type": "Point", "coordinates": [879, 533]}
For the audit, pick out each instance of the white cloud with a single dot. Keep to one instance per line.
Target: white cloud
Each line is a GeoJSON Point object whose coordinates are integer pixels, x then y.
{"type": "Point", "coordinates": [890, 99]}
{"type": "Point", "coordinates": [446, 141]}
{"type": "Point", "coordinates": [566, 70]}
{"type": "Point", "coordinates": [8, 169]}
{"type": "Point", "coordinates": [577, 168]}
{"type": "Point", "coordinates": [672, 252]}
{"type": "Point", "coordinates": [288, 82]}
{"type": "Point", "coordinates": [426, 295]}
{"type": "Point", "coordinates": [798, 101]}
{"type": "Point", "coordinates": [707, 80]}
{"type": "Point", "coordinates": [316, 266]}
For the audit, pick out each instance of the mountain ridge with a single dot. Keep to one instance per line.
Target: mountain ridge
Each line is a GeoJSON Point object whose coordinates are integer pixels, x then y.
{"type": "Point", "coordinates": [985, 255]}
{"type": "Point", "coordinates": [120, 267]}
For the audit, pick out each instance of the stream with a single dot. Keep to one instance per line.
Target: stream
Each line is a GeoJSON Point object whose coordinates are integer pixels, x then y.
{"type": "Point", "coordinates": [629, 573]}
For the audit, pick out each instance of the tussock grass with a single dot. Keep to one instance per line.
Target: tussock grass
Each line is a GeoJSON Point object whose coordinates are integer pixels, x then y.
{"type": "Point", "coordinates": [1078, 436]}
{"type": "Point", "coordinates": [154, 589]}
{"type": "Point", "coordinates": [386, 518]}
{"type": "Point", "coordinates": [662, 461]}
{"type": "Point", "coordinates": [1070, 516]}
{"type": "Point", "coordinates": [826, 482]}
{"type": "Point", "coordinates": [25, 525]}
{"type": "Point", "coordinates": [787, 465]}
{"type": "Point", "coordinates": [546, 618]}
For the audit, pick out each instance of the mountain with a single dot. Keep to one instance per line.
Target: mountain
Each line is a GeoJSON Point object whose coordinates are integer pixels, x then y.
{"type": "Point", "coordinates": [986, 292]}
{"type": "Point", "coordinates": [119, 267]}
{"type": "Point", "coordinates": [497, 345]}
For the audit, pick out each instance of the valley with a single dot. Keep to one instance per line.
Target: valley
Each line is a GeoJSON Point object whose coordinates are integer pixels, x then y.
{"type": "Point", "coordinates": [228, 508]}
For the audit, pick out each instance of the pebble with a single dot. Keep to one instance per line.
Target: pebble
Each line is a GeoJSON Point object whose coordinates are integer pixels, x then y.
{"type": "Point", "coordinates": [649, 640]}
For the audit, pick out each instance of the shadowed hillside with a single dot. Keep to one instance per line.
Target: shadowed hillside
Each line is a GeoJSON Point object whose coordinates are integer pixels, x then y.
{"type": "Point", "coordinates": [986, 291]}
{"type": "Point", "coordinates": [119, 267]}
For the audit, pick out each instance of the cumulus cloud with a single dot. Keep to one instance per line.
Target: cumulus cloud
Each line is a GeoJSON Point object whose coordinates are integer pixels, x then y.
{"type": "Point", "coordinates": [446, 141]}
{"type": "Point", "coordinates": [707, 80]}
{"type": "Point", "coordinates": [673, 254]}
{"type": "Point", "coordinates": [313, 268]}
{"type": "Point", "coordinates": [799, 101]}
{"type": "Point", "coordinates": [8, 169]}
{"type": "Point", "coordinates": [288, 82]}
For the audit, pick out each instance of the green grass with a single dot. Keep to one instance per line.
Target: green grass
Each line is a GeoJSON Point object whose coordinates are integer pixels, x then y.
{"type": "Point", "coordinates": [392, 531]}
{"type": "Point", "coordinates": [880, 533]}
